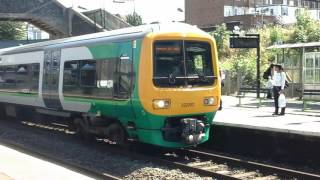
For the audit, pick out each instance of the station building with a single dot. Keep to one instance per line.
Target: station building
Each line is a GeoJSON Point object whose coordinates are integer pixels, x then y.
{"type": "Point", "coordinates": [247, 13]}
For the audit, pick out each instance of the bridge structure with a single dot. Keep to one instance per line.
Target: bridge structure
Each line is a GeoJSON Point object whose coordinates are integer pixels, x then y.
{"type": "Point", "coordinates": [58, 20]}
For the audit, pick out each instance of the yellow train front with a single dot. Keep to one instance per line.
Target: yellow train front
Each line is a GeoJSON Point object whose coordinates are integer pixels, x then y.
{"type": "Point", "coordinates": [178, 87]}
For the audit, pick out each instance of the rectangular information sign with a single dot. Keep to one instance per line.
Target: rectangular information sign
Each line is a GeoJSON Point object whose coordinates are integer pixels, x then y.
{"type": "Point", "coordinates": [244, 42]}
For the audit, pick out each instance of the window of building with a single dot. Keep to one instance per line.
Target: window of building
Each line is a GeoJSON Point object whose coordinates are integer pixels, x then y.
{"type": "Point", "coordinates": [291, 3]}
{"type": "Point", "coordinates": [297, 12]}
{"type": "Point", "coordinates": [306, 4]}
{"type": "Point", "coordinates": [312, 5]}
{"type": "Point", "coordinates": [284, 11]}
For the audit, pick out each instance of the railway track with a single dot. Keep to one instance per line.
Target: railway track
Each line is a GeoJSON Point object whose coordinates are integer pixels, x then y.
{"type": "Point", "coordinates": [215, 166]}
{"type": "Point", "coordinates": [225, 167]}
{"type": "Point", "coordinates": [72, 166]}
{"type": "Point", "coordinates": [205, 164]}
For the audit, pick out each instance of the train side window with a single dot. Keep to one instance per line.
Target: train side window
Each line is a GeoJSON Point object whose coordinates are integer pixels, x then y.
{"type": "Point", "coordinates": [22, 77]}
{"type": "Point", "coordinates": [105, 82]}
{"type": "Point", "coordinates": [10, 77]}
{"type": "Point", "coordinates": [71, 73]}
{"type": "Point", "coordinates": [2, 72]}
{"type": "Point", "coordinates": [124, 78]}
{"type": "Point", "coordinates": [35, 73]}
{"type": "Point", "coordinates": [88, 73]}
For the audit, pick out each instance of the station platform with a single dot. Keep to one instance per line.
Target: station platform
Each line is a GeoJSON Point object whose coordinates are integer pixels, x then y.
{"type": "Point", "coordinates": [249, 115]}
{"type": "Point", "coordinates": [15, 165]}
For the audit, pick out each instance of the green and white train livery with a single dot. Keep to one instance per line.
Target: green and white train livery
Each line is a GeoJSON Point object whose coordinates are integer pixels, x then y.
{"type": "Point", "coordinates": [156, 84]}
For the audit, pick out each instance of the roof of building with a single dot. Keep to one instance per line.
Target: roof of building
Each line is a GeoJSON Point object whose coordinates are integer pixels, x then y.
{"type": "Point", "coordinates": [296, 45]}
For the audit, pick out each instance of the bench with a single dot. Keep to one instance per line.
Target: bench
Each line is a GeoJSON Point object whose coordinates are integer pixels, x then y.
{"type": "Point", "coordinates": [308, 92]}
{"type": "Point", "coordinates": [244, 90]}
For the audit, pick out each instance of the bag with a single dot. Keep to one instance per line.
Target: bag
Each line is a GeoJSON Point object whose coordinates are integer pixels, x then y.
{"type": "Point", "coordinates": [286, 85]}
{"type": "Point", "coordinates": [282, 101]}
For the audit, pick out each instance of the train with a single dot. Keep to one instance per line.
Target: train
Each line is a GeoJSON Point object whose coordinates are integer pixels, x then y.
{"type": "Point", "coordinates": [156, 84]}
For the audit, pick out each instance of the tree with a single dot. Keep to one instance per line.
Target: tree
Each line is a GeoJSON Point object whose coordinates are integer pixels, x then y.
{"type": "Point", "coordinates": [276, 35]}
{"type": "Point", "coordinates": [307, 29]}
{"type": "Point", "coordinates": [134, 19]}
{"type": "Point", "coordinates": [12, 30]}
{"type": "Point", "coordinates": [221, 35]}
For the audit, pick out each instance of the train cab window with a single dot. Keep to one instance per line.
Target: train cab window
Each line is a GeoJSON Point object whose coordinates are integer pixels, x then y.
{"type": "Point", "coordinates": [180, 63]}
{"type": "Point", "coordinates": [198, 63]}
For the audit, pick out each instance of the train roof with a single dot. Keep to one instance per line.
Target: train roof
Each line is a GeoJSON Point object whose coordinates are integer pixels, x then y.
{"type": "Point", "coordinates": [112, 36]}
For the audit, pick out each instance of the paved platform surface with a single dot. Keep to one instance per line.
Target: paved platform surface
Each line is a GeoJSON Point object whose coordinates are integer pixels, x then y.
{"type": "Point", "coordinates": [15, 165]}
{"type": "Point", "coordinates": [249, 116]}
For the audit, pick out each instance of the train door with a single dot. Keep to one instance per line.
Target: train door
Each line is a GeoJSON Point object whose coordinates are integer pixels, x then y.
{"type": "Point", "coordinates": [124, 83]}
{"type": "Point", "coordinates": [50, 85]}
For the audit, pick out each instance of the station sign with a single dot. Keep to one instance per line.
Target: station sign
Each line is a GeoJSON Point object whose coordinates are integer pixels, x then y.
{"type": "Point", "coordinates": [244, 42]}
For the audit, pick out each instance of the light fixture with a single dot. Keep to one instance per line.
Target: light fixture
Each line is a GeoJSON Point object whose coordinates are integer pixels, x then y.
{"type": "Point", "coordinates": [209, 101]}
{"type": "Point", "coordinates": [161, 103]}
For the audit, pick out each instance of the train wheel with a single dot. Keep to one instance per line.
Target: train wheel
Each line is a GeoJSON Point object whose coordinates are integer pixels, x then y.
{"type": "Point", "coordinates": [117, 134]}
{"type": "Point", "coordinates": [81, 131]}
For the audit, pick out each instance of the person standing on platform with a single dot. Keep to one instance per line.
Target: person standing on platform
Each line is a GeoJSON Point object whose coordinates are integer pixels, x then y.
{"type": "Point", "coordinates": [279, 80]}
{"type": "Point", "coordinates": [268, 76]}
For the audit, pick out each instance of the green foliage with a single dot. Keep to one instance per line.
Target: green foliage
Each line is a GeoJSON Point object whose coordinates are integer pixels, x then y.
{"type": "Point", "coordinates": [276, 35]}
{"type": "Point", "coordinates": [134, 19]}
{"type": "Point", "coordinates": [307, 29]}
{"type": "Point", "coordinates": [12, 30]}
{"type": "Point", "coordinates": [243, 61]}
{"type": "Point", "coordinates": [221, 35]}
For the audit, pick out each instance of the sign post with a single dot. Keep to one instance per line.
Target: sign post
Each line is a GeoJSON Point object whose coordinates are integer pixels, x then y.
{"type": "Point", "coordinates": [248, 41]}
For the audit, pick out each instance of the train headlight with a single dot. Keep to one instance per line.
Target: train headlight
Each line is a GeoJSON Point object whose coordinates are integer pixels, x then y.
{"type": "Point", "coordinates": [209, 101]}
{"type": "Point", "coordinates": [161, 103]}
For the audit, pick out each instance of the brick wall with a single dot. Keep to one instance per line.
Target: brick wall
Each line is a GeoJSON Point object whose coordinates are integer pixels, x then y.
{"type": "Point", "coordinates": [204, 12]}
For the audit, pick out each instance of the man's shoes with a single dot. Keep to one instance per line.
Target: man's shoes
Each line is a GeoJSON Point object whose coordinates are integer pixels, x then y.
{"type": "Point", "coordinates": [283, 112]}
{"type": "Point", "coordinates": [276, 112]}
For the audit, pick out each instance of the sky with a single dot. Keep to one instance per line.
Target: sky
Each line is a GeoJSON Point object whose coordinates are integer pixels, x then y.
{"type": "Point", "coordinates": [150, 10]}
